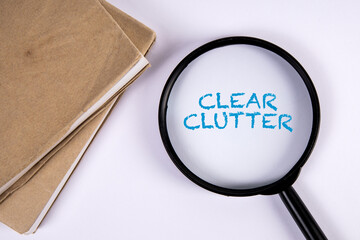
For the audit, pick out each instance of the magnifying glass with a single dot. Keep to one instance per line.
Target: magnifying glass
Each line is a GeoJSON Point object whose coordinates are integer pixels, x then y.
{"type": "Point", "coordinates": [239, 116]}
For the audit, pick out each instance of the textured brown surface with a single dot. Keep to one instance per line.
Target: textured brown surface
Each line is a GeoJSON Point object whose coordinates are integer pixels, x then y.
{"type": "Point", "coordinates": [57, 58]}
{"type": "Point", "coordinates": [21, 209]}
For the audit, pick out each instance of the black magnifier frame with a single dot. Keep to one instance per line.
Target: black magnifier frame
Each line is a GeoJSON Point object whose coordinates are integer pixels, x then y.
{"type": "Point", "coordinates": [282, 186]}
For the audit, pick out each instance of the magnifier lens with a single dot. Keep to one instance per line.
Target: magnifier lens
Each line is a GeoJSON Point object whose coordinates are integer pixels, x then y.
{"type": "Point", "coordinates": [239, 116]}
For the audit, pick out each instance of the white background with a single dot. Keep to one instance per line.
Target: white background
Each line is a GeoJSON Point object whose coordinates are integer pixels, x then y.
{"type": "Point", "coordinates": [126, 187]}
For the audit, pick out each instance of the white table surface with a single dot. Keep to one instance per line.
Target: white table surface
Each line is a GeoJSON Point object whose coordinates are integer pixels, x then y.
{"type": "Point", "coordinates": [126, 186]}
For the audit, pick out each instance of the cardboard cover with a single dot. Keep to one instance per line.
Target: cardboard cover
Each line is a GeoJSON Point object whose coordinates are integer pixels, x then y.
{"type": "Point", "coordinates": [142, 36]}
{"type": "Point", "coordinates": [60, 61]}
{"type": "Point", "coordinates": [24, 210]}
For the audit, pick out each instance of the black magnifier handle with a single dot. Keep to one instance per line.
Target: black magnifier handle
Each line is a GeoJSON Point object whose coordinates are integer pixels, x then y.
{"type": "Point", "coordinates": [301, 214]}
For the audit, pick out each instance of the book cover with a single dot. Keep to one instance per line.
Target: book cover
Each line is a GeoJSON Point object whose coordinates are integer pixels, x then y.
{"type": "Point", "coordinates": [24, 210]}
{"type": "Point", "coordinates": [60, 61]}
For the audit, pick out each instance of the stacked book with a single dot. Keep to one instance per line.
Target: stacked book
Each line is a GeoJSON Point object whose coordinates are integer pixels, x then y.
{"type": "Point", "coordinates": [63, 66]}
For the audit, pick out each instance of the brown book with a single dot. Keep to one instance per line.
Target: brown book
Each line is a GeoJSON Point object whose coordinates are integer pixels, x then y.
{"type": "Point", "coordinates": [60, 61]}
{"type": "Point", "coordinates": [25, 208]}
